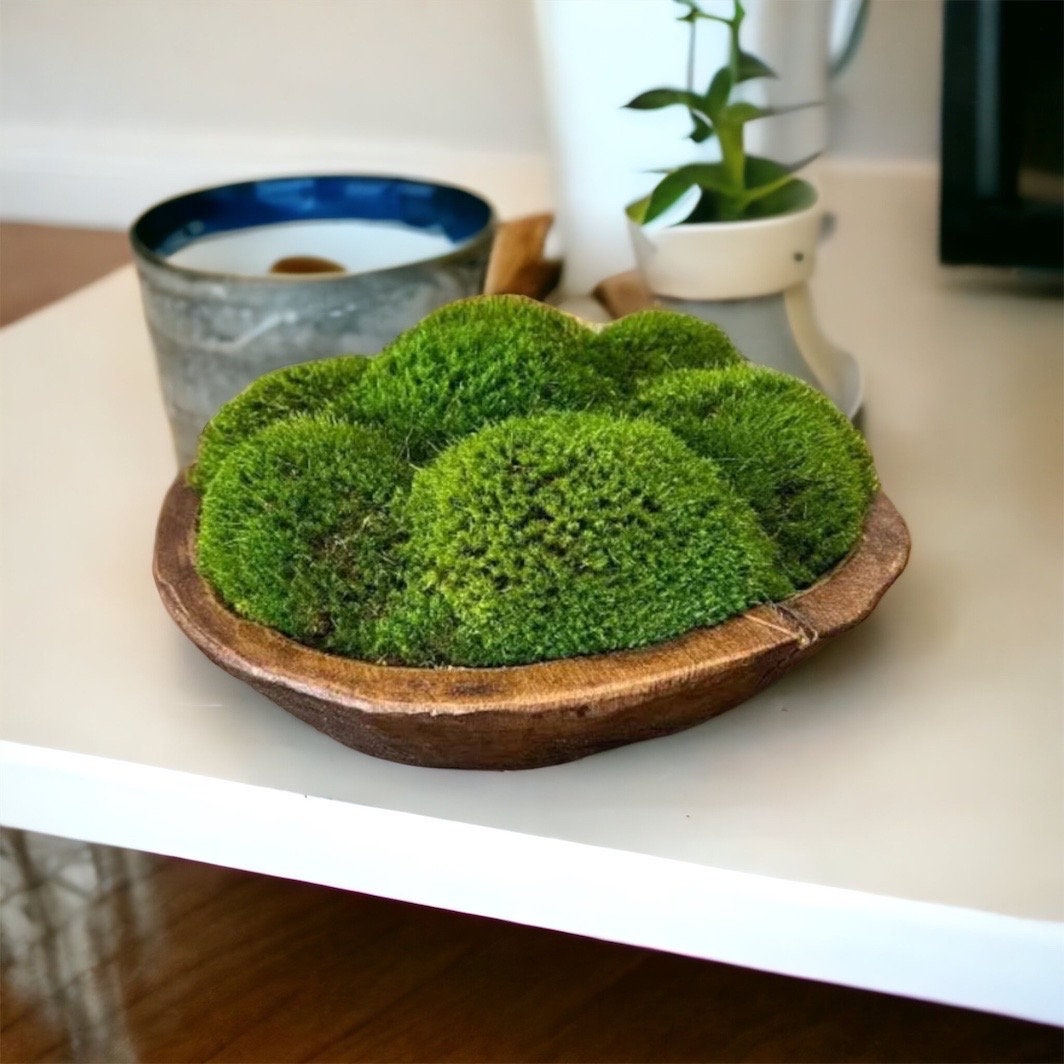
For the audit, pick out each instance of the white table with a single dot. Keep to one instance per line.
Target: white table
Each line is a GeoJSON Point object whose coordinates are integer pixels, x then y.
{"type": "Point", "coordinates": [890, 816]}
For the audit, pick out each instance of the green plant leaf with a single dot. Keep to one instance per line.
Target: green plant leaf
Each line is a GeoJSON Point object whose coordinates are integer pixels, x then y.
{"type": "Point", "coordinates": [760, 171]}
{"type": "Point", "coordinates": [653, 99]}
{"type": "Point", "coordinates": [793, 195]}
{"type": "Point", "coordinates": [717, 94]}
{"type": "Point", "coordinates": [693, 12]}
{"type": "Point", "coordinates": [637, 211]}
{"type": "Point", "coordinates": [709, 175]}
{"type": "Point", "coordinates": [740, 113]}
{"type": "Point", "coordinates": [667, 191]}
{"type": "Point", "coordinates": [751, 67]}
{"type": "Point", "coordinates": [702, 130]}
{"type": "Point", "coordinates": [707, 209]}
{"type": "Point", "coordinates": [770, 188]}
{"type": "Point", "coordinates": [712, 176]}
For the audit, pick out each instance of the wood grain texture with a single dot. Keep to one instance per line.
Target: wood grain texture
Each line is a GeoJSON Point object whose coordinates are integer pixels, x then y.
{"type": "Point", "coordinates": [111, 955]}
{"type": "Point", "coordinates": [624, 293]}
{"type": "Point", "coordinates": [531, 715]}
{"type": "Point", "coordinates": [517, 266]}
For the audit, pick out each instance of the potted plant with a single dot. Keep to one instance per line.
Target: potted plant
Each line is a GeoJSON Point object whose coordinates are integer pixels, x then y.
{"type": "Point", "coordinates": [733, 240]}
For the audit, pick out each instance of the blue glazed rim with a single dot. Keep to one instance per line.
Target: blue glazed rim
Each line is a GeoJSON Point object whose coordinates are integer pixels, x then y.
{"type": "Point", "coordinates": [460, 215]}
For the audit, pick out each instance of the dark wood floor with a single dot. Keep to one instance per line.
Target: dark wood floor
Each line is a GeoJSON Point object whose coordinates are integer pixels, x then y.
{"type": "Point", "coordinates": [110, 955]}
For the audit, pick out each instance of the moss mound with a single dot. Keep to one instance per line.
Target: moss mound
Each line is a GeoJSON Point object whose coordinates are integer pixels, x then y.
{"type": "Point", "coordinates": [572, 533]}
{"type": "Point", "coordinates": [296, 531]}
{"type": "Point", "coordinates": [783, 446]}
{"type": "Point", "coordinates": [652, 342]}
{"type": "Point", "coordinates": [503, 486]}
{"type": "Point", "coordinates": [305, 388]}
{"type": "Point", "coordinates": [474, 362]}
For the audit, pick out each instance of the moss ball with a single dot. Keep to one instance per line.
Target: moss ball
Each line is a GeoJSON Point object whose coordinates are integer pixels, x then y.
{"type": "Point", "coordinates": [573, 533]}
{"type": "Point", "coordinates": [651, 342]}
{"type": "Point", "coordinates": [304, 388]}
{"type": "Point", "coordinates": [783, 446]}
{"type": "Point", "coordinates": [296, 531]}
{"type": "Point", "coordinates": [474, 362]}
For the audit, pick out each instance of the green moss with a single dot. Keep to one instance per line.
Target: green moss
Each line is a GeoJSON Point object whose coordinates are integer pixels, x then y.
{"type": "Point", "coordinates": [568, 534]}
{"type": "Point", "coordinates": [651, 342]}
{"type": "Point", "coordinates": [578, 492]}
{"type": "Point", "coordinates": [474, 362]}
{"type": "Point", "coordinates": [296, 531]}
{"type": "Point", "coordinates": [783, 446]}
{"type": "Point", "coordinates": [305, 388]}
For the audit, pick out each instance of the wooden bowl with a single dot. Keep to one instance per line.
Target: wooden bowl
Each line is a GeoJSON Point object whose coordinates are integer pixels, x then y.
{"type": "Point", "coordinates": [528, 715]}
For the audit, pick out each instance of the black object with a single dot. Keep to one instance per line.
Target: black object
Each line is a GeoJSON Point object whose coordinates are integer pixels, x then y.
{"type": "Point", "coordinates": [1002, 193]}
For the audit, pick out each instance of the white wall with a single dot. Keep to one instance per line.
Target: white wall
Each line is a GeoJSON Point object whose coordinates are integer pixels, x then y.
{"type": "Point", "coordinates": [109, 105]}
{"type": "Point", "coordinates": [885, 105]}
{"type": "Point", "coordinates": [106, 105]}
{"type": "Point", "coordinates": [461, 69]}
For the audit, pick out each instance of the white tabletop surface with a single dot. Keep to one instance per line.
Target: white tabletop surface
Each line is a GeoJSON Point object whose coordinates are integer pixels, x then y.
{"type": "Point", "coordinates": [889, 816]}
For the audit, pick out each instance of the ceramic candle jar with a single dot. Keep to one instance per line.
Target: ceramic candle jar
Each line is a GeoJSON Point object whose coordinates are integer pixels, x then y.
{"type": "Point", "coordinates": [241, 279]}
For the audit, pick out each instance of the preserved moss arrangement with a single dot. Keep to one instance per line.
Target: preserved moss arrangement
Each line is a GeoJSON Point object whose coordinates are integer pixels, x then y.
{"type": "Point", "coordinates": [504, 485]}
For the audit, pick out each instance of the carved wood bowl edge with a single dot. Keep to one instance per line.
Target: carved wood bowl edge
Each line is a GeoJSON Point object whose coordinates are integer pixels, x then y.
{"type": "Point", "coordinates": [529, 715]}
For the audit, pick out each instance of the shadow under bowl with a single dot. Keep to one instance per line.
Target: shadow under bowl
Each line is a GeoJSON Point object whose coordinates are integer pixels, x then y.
{"type": "Point", "coordinates": [525, 716]}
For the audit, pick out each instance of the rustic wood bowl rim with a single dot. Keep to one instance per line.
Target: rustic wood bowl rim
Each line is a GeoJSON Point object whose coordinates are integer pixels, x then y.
{"type": "Point", "coordinates": [840, 599]}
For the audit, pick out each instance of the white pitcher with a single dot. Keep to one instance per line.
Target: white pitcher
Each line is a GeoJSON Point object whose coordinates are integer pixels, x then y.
{"type": "Point", "coordinates": [596, 55]}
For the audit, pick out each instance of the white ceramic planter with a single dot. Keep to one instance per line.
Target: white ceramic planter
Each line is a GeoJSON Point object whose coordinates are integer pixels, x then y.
{"type": "Point", "coordinates": [728, 260]}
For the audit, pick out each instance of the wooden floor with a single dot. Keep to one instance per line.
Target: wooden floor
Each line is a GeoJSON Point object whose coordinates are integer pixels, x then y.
{"type": "Point", "coordinates": [39, 264]}
{"type": "Point", "coordinates": [110, 955]}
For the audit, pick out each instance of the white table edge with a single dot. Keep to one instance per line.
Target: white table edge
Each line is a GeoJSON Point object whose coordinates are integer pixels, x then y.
{"type": "Point", "coordinates": [951, 955]}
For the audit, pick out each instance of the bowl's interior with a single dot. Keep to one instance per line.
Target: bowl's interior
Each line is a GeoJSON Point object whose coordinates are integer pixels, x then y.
{"type": "Point", "coordinates": [356, 245]}
{"type": "Point", "coordinates": [362, 223]}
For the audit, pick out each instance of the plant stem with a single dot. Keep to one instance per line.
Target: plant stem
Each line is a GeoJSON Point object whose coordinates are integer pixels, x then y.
{"type": "Point", "coordinates": [733, 156]}
{"type": "Point", "coordinates": [732, 147]}
{"type": "Point", "coordinates": [691, 62]}
{"type": "Point", "coordinates": [734, 23]}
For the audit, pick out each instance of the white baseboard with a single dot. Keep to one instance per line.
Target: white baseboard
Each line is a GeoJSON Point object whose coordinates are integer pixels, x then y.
{"type": "Point", "coordinates": [106, 177]}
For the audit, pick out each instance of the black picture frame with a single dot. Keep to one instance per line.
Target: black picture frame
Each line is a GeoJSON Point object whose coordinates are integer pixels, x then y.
{"type": "Point", "coordinates": [1001, 92]}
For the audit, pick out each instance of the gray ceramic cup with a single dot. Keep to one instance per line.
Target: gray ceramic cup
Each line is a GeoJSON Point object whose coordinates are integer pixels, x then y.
{"type": "Point", "coordinates": [219, 318]}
